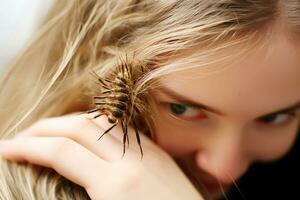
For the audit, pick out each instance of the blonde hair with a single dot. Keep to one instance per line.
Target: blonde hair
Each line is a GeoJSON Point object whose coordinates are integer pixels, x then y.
{"type": "Point", "coordinates": [52, 76]}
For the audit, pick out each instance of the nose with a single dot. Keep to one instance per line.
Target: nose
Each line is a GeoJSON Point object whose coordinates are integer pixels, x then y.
{"type": "Point", "coordinates": [223, 159]}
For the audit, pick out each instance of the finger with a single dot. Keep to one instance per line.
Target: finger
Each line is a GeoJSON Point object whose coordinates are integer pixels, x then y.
{"type": "Point", "coordinates": [65, 156]}
{"type": "Point", "coordinates": [82, 130]}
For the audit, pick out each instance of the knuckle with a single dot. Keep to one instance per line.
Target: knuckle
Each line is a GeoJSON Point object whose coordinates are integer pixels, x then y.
{"type": "Point", "coordinates": [128, 177]}
{"type": "Point", "coordinates": [42, 124]}
{"type": "Point", "coordinates": [62, 147]}
{"type": "Point", "coordinates": [81, 121]}
{"type": "Point", "coordinates": [37, 127]}
{"type": "Point", "coordinates": [38, 124]}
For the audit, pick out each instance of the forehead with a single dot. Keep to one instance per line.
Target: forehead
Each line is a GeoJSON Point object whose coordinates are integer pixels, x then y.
{"type": "Point", "coordinates": [265, 80]}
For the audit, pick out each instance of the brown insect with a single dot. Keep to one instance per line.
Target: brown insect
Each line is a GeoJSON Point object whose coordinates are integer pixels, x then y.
{"type": "Point", "coordinates": [115, 101]}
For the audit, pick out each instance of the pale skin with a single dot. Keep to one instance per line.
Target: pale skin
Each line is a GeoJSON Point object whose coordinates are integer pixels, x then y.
{"type": "Point", "coordinates": [69, 145]}
{"type": "Point", "coordinates": [219, 146]}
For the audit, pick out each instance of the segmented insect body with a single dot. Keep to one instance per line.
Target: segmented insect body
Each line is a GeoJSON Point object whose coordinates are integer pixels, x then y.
{"type": "Point", "coordinates": [115, 102]}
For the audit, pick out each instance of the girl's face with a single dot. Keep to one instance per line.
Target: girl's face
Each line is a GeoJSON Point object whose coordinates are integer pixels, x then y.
{"type": "Point", "coordinates": [221, 123]}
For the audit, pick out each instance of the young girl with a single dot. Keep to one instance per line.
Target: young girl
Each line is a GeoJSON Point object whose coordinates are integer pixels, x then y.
{"type": "Point", "coordinates": [220, 85]}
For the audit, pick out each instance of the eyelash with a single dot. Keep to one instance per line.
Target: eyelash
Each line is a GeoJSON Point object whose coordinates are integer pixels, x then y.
{"type": "Point", "coordinates": [289, 116]}
{"type": "Point", "coordinates": [191, 112]}
{"type": "Point", "coordinates": [198, 114]}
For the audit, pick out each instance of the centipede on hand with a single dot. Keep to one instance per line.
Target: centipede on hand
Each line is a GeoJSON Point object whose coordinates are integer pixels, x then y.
{"type": "Point", "coordinates": [116, 102]}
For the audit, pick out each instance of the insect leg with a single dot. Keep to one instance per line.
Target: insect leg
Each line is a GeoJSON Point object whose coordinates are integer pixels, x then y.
{"type": "Point", "coordinates": [124, 127]}
{"type": "Point", "coordinates": [98, 116]}
{"type": "Point", "coordinates": [138, 138]}
{"type": "Point", "coordinates": [107, 131]}
{"type": "Point", "coordinates": [93, 110]}
{"type": "Point", "coordinates": [121, 90]}
{"type": "Point", "coordinates": [121, 84]}
{"type": "Point", "coordinates": [120, 97]}
{"type": "Point", "coordinates": [105, 87]}
{"type": "Point", "coordinates": [120, 105]}
{"type": "Point", "coordinates": [93, 73]}
{"type": "Point", "coordinates": [125, 130]}
{"type": "Point", "coordinates": [103, 83]}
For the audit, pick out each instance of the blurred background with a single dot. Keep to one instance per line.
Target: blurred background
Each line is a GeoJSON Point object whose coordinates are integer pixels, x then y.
{"type": "Point", "coordinates": [19, 20]}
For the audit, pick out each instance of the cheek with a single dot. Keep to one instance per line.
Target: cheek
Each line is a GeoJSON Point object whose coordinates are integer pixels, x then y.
{"type": "Point", "coordinates": [272, 146]}
{"type": "Point", "coordinates": [174, 140]}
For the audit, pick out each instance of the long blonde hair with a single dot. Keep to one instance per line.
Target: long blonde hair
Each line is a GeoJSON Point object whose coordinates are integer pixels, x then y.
{"type": "Point", "coordinates": [51, 77]}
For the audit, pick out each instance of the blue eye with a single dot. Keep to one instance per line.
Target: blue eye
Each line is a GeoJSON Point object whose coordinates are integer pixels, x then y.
{"type": "Point", "coordinates": [277, 118]}
{"type": "Point", "coordinates": [185, 111]}
{"type": "Point", "coordinates": [177, 109]}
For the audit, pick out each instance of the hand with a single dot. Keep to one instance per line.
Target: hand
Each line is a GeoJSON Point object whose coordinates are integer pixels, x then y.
{"type": "Point", "coordinates": [69, 145]}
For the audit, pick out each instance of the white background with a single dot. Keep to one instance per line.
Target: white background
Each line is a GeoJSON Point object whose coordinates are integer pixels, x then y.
{"type": "Point", "coordinates": [18, 21]}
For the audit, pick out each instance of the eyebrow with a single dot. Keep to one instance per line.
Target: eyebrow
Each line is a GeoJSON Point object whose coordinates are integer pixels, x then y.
{"type": "Point", "coordinates": [185, 100]}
